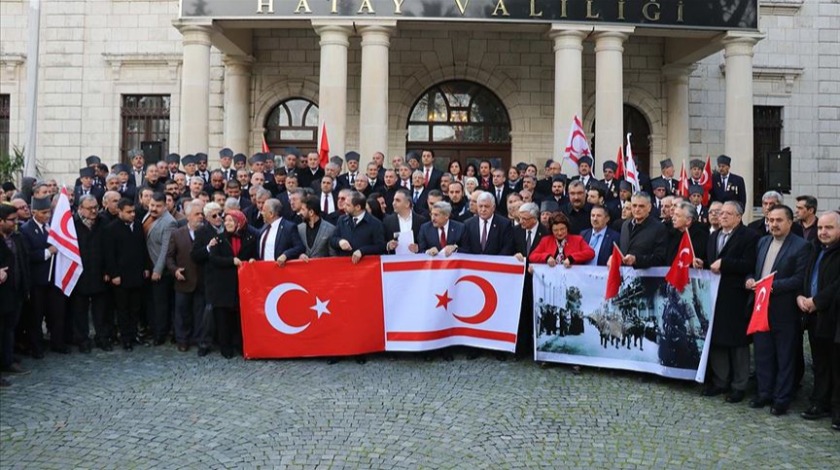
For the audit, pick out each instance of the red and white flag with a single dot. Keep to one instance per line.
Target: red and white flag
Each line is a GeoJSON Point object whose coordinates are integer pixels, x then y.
{"type": "Point", "coordinates": [324, 147]}
{"type": "Point", "coordinates": [679, 276]}
{"type": "Point", "coordinates": [464, 300]}
{"type": "Point", "coordinates": [265, 148]}
{"type": "Point", "coordinates": [682, 187]}
{"type": "Point", "coordinates": [614, 274]}
{"type": "Point", "coordinates": [68, 260]}
{"type": "Point", "coordinates": [632, 175]}
{"type": "Point", "coordinates": [297, 311]}
{"type": "Point", "coordinates": [706, 180]}
{"type": "Point", "coordinates": [759, 323]}
{"type": "Point", "coordinates": [576, 145]}
{"type": "Point", "coordinates": [619, 160]}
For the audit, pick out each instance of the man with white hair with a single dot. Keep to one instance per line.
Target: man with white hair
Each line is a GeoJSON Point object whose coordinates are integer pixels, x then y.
{"type": "Point", "coordinates": [768, 200]}
{"type": "Point", "coordinates": [489, 233]}
{"type": "Point", "coordinates": [211, 228]}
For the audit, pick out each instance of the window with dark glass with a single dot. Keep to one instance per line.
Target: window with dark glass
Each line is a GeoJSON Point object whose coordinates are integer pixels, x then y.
{"type": "Point", "coordinates": [145, 125]}
{"type": "Point", "coordinates": [293, 123]}
{"type": "Point", "coordinates": [769, 162]}
{"type": "Point", "coordinates": [5, 111]}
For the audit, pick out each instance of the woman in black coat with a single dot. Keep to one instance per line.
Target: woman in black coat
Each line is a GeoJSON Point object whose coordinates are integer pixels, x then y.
{"type": "Point", "coordinates": [227, 252]}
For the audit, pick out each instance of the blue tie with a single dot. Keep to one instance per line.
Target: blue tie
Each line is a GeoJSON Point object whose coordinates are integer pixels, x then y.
{"type": "Point", "coordinates": [593, 242]}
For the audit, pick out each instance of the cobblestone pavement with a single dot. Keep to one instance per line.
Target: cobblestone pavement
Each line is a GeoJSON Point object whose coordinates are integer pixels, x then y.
{"type": "Point", "coordinates": [158, 408]}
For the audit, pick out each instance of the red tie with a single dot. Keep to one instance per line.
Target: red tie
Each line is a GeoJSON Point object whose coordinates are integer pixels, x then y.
{"type": "Point", "coordinates": [442, 238]}
{"type": "Point", "coordinates": [326, 205]}
{"type": "Point", "coordinates": [427, 177]}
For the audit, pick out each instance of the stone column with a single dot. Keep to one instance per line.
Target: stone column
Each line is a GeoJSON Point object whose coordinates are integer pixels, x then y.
{"type": "Point", "coordinates": [332, 100]}
{"type": "Point", "coordinates": [237, 103]}
{"type": "Point", "coordinates": [373, 112]}
{"type": "Point", "coordinates": [568, 80]}
{"type": "Point", "coordinates": [609, 90]}
{"type": "Point", "coordinates": [676, 79]}
{"type": "Point", "coordinates": [738, 134]}
{"type": "Point", "coordinates": [195, 89]}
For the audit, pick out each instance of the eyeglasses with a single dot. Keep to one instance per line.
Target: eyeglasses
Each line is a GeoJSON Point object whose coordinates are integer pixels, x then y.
{"type": "Point", "coordinates": [215, 215]}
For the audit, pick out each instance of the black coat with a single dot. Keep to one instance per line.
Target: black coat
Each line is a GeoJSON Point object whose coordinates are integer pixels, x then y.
{"type": "Point", "coordinates": [391, 225]}
{"type": "Point", "coordinates": [735, 189]}
{"type": "Point", "coordinates": [648, 242]}
{"type": "Point", "coordinates": [827, 299]}
{"type": "Point", "coordinates": [519, 239]}
{"type": "Point", "coordinates": [126, 255]}
{"type": "Point", "coordinates": [699, 236]}
{"type": "Point", "coordinates": [16, 288]}
{"type": "Point", "coordinates": [499, 237]}
{"type": "Point", "coordinates": [579, 219]}
{"type": "Point", "coordinates": [787, 284]}
{"type": "Point", "coordinates": [221, 275]}
{"type": "Point", "coordinates": [367, 237]}
{"type": "Point", "coordinates": [732, 313]}
{"type": "Point", "coordinates": [36, 244]}
{"type": "Point", "coordinates": [91, 245]}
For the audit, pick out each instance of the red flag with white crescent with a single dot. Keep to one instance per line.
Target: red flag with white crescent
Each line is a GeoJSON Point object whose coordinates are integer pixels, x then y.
{"type": "Point", "coordinates": [68, 260]}
{"type": "Point", "coordinates": [706, 180]}
{"type": "Point", "coordinates": [324, 147]}
{"type": "Point", "coordinates": [619, 160]}
{"type": "Point", "coordinates": [759, 323]}
{"type": "Point", "coordinates": [682, 187]}
{"type": "Point", "coordinates": [679, 276]}
{"type": "Point", "coordinates": [265, 148]}
{"type": "Point", "coordinates": [460, 300]}
{"type": "Point", "coordinates": [614, 275]}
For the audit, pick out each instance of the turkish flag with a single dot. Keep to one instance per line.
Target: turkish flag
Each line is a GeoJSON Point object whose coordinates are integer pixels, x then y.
{"type": "Point", "coordinates": [706, 180]}
{"type": "Point", "coordinates": [678, 275]}
{"type": "Point", "coordinates": [467, 300]}
{"type": "Point", "coordinates": [759, 323]}
{"type": "Point", "coordinates": [265, 148]}
{"type": "Point", "coordinates": [619, 171]}
{"type": "Point", "coordinates": [303, 310]}
{"type": "Point", "coordinates": [682, 187]}
{"type": "Point", "coordinates": [614, 276]}
{"type": "Point", "coordinates": [324, 148]}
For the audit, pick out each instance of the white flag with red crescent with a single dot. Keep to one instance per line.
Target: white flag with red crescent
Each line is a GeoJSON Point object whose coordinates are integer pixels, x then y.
{"type": "Point", "coordinates": [68, 261]}
{"type": "Point", "coordinates": [463, 300]}
{"type": "Point", "coordinates": [631, 173]}
{"type": "Point", "coordinates": [576, 145]}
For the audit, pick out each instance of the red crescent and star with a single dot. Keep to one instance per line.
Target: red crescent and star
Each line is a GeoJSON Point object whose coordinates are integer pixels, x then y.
{"type": "Point", "coordinates": [490, 300]}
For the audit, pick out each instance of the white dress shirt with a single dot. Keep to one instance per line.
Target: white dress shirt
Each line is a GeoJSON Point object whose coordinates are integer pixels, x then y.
{"type": "Point", "coordinates": [271, 233]}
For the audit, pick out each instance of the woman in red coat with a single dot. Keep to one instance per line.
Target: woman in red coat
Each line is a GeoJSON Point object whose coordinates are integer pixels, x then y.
{"type": "Point", "coordinates": [561, 248]}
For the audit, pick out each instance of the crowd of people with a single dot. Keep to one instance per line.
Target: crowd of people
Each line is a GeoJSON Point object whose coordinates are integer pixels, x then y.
{"type": "Point", "coordinates": [161, 243]}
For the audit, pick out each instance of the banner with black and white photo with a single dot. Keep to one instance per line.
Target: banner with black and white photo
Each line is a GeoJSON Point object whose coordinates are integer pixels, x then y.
{"type": "Point", "coordinates": [649, 327]}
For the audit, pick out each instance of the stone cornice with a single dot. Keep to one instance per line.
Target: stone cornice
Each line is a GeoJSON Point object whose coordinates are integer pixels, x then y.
{"type": "Point", "coordinates": [117, 61]}
{"type": "Point", "coordinates": [783, 75]}
{"type": "Point", "coordinates": [11, 62]}
{"type": "Point", "coordinates": [780, 7]}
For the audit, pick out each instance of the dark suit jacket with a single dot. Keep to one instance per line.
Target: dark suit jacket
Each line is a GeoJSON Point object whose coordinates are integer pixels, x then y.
{"type": "Point", "coordinates": [252, 214]}
{"type": "Point", "coordinates": [456, 234]}
{"type": "Point", "coordinates": [421, 205]}
{"type": "Point", "coordinates": [126, 256]}
{"type": "Point", "coordinates": [735, 189]}
{"type": "Point", "coordinates": [36, 244]}
{"type": "Point", "coordinates": [391, 225]}
{"type": "Point", "coordinates": [91, 250]}
{"type": "Point", "coordinates": [501, 203]}
{"type": "Point", "coordinates": [178, 256]}
{"type": "Point", "coordinates": [334, 196]}
{"type": "Point", "coordinates": [760, 228]}
{"type": "Point", "coordinates": [579, 219]}
{"type": "Point", "coordinates": [519, 239]}
{"type": "Point", "coordinates": [699, 236]}
{"type": "Point", "coordinates": [790, 267]}
{"type": "Point", "coordinates": [286, 242]}
{"type": "Point", "coordinates": [367, 236]}
{"type": "Point", "coordinates": [343, 181]}
{"type": "Point", "coordinates": [827, 298]}
{"type": "Point", "coordinates": [499, 236]}
{"type": "Point", "coordinates": [737, 261]}
{"type": "Point", "coordinates": [16, 288]}
{"type": "Point", "coordinates": [222, 275]}
{"type": "Point", "coordinates": [610, 237]}
{"type": "Point", "coordinates": [95, 191]}
{"type": "Point", "coordinates": [306, 177]}
{"type": "Point", "coordinates": [648, 242]}
{"type": "Point", "coordinates": [434, 178]}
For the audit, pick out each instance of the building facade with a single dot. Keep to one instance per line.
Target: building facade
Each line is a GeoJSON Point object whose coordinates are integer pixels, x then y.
{"type": "Point", "coordinates": [459, 77]}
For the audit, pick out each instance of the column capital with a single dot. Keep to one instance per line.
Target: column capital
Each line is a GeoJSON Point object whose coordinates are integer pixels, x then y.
{"type": "Point", "coordinates": [568, 37]}
{"type": "Point", "coordinates": [678, 72]}
{"type": "Point", "coordinates": [611, 38]}
{"type": "Point", "coordinates": [737, 43]}
{"type": "Point", "coordinates": [333, 32]}
{"type": "Point", "coordinates": [376, 33]}
{"type": "Point", "coordinates": [198, 33]}
{"type": "Point", "coordinates": [238, 64]}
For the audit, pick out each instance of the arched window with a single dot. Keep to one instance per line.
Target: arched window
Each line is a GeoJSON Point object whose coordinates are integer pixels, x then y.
{"type": "Point", "coordinates": [637, 124]}
{"type": "Point", "coordinates": [293, 123]}
{"type": "Point", "coordinates": [460, 120]}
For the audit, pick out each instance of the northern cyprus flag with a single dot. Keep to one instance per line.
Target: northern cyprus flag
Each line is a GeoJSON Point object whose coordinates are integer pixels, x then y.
{"type": "Point", "coordinates": [462, 300]}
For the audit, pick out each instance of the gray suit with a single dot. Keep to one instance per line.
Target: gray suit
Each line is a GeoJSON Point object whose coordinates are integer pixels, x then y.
{"type": "Point", "coordinates": [321, 247]}
{"type": "Point", "coordinates": [157, 243]}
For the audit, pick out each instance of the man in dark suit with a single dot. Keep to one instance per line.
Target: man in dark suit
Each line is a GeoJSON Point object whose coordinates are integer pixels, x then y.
{"type": "Point", "coordinates": [86, 187]}
{"type": "Point", "coordinates": [431, 175]}
{"type": "Point", "coordinates": [442, 234]}
{"type": "Point", "coordinates": [667, 177]}
{"type": "Point", "coordinates": [600, 237]}
{"type": "Point", "coordinates": [419, 194]}
{"type": "Point", "coordinates": [327, 197]}
{"type": "Point", "coordinates": [643, 238]}
{"type": "Point", "coordinates": [47, 300]}
{"type": "Point", "coordinates": [403, 219]}
{"type": "Point", "coordinates": [253, 213]}
{"type": "Point", "coordinates": [820, 303]}
{"type": "Point", "coordinates": [500, 191]}
{"type": "Point", "coordinates": [89, 293]}
{"type": "Point", "coordinates": [684, 219]}
{"type": "Point", "coordinates": [279, 240]}
{"type": "Point", "coordinates": [127, 267]}
{"type": "Point", "coordinates": [137, 174]}
{"type": "Point", "coordinates": [14, 287]}
{"type": "Point", "coordinates": [727, 186]}
{"type": "Point", "coordinates": [787, 255]}
{"type": "Point", "coordinates": [200, 254]}
{"type": "Point", "coordinates": [189, 280]}
{"type": "Point", "coordinates": [314, 231]}
{"type": "Point", "coordinates": [348, 180]}
{"type": "Point", "coordinates": [577, 209]}
{"type": "Point", "coordinates": [543, 188]}
{"type": "Point", "coordinates": [730, 252]}
{"type": "Point", "coordinates": [375, 182]}
{"type": "Point", "coordinates": [357, 233]}
{"type": "Point", "coordinates": [489, 233]}
{"type": "Point", "coordinates": [389, 189]}
{"type": "Point", "coordinates": [526, 236]}
{"type": "Point", "coordinates": [313, 171]}
{"type": "Point", "coordinates": [584, 172]}
{"type": "Point", "coordinates": [769, 200]}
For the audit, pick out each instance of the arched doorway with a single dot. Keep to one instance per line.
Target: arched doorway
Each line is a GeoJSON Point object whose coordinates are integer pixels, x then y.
{"type": "Point", "coordinates": [637, 124]}
{"type": "Point", "coordinates": [293, 123]}
{"type": "Point", "coordinates": [460, 120]}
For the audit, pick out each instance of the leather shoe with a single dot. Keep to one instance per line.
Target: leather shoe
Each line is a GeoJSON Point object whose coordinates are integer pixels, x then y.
{"type": "Point", "coordinates": [159, 341]}
{"type": "Point", "coordinates": [778, 410]}
{"type": "Point", "coordinates": [37, 354]}
{"type": "Point", "coordinates": [736, 396]}
{"type": "Point", "coordinates": [84, 348]}
{"type": "Point", "coordinates": [15, 369]}
{"type": "Point", "coordinates": [183, 347]}
{"type": "Point", "coordinates": [712, 391]}
{"type": "Point", "coordinates": [203, 351]}
{"type": "Point", "coordinates": [836, 425]}
{"type": "Point", "coordinates": [448, 357]}
{"type": "Point", "coordinates": [501, 357]}
{"type": "Point", "coordinates": [332, 361]}
{"type": "Point", "coordinates": [128, 347]}
{"type": "Point", "coordinates": [61, 350]}
{"type": "Point", "coordinates": [106, 347]}
{"type": "Point", "coordinates": [361, 360]}
{"type": "Point", "coordinates": [815, 412]}
{"type": "Point", "coordinates": [759, 402]}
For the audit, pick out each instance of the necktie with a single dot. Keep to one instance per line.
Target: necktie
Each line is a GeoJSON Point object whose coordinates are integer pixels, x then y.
{"type": "Point", "coordinates": [416, 196]}
{"type": "Point", "coordinates": [527, 242]}
{"type": "Point", "coordinates": [722, 241]}
{"type": "Point", "coordinates": [724, 182]}
{"type": "Point", "coordinates": [263, 242]}
{"type": "Point", "coordinates": [442, 238]}
{"type": "Point", "coordinates": [498, 195]}
{"type": "Point", "coordinates": [484, 235]}
{"type": "Point", "coordinates": [352, 178]}
{"type": "Point", "coordinates": [593, 242]}
{"type": "Point", "coordinates": [427, 176]}
{"type": "Point", "coordinates": [326, 205]}
{"type": "Point", "coordinates": [355, 221]}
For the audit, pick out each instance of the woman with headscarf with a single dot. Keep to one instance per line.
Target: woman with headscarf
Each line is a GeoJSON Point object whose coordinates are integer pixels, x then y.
{"type": "Point", "coordinates": [227, 251]}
